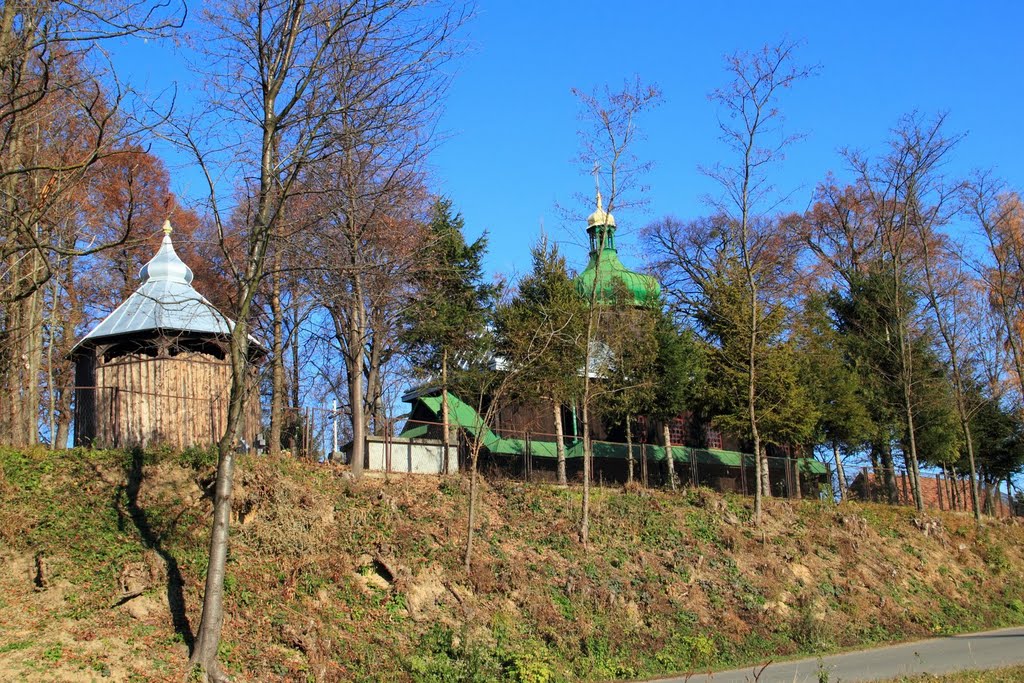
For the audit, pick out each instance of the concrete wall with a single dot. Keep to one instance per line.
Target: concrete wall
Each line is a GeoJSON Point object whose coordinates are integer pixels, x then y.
{"type": "Point", "coordinates": [416, 456]}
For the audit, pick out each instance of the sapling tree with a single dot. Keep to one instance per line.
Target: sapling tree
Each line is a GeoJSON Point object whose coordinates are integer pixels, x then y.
{"type": "Point", "coordinates": [752, 132]}
{"type": "Point", "coordinates": [607, 143]}
{"type": "Point", "coordinates": [272, 101]}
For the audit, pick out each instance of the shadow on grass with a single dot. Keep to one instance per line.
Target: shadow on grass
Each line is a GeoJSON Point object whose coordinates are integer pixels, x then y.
{"type": "Point", "coordinates": [153, 540]}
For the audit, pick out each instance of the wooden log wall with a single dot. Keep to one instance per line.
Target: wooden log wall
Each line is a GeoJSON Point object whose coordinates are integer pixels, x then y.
{"type": "Point", "coordinates": [179, 401]}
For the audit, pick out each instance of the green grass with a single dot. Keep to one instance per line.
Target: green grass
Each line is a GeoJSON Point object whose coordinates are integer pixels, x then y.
{"type": "Point", "coordinates": [1008, 675]}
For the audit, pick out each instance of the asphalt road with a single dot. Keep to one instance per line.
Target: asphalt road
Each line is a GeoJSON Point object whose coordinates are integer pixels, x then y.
{"type": "Point", "coordinates": [987, 650]}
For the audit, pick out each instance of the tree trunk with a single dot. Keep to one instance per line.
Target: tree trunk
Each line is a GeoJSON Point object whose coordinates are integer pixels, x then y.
{"type": "Point", "coordinates": [32, 358]}
{"type": "Point", "coordinates": [296, 372]}
{"type": "Point", "coordinates": [374, 388]}
{"type": "Point", "coordinates": [64, 417]}
{"type": "Point", "coordinates": [471, 517]}
{"type": "Point", "coordinates": [951, 486]}
{"type": "Point", "coordinates": [796, 477]}
{"type": "Point", "coordinates": [629, 447]}
{"type": "Point", "coordinates": [670, 468]}
{"type": "Point", "coordinates": [22, 333]}
{"type": "Point", "coordinates": [559, 442]}
{"type": "Point", "coordinates": [840, 472]}
{"type": "Point", "coordinates": [965, 426]}
{"type": "Point", "coordinates": [889, 474]}
{"type": "Point", "coordinates": [587, 465]}
{"type": "Point", "coordinates": [277, 390]}
{"type": "Point", "coordinates": [445, 427]}
{"type": "Point", "coordinates": [355, 379]}
{"type": "Point", "coordinates": [208, 639]}
{"type": "Point", "coordinates": [765, 476]}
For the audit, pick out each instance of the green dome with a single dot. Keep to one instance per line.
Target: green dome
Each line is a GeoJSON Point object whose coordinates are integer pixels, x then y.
{"type": "Point", "coordinates": [609, 271]}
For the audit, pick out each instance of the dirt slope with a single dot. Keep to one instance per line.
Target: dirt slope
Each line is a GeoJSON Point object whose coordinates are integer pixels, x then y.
{"type": "Point", "coordinates": [102, 557]}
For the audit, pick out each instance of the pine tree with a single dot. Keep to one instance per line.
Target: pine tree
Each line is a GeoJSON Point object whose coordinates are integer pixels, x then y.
{"type": "Point", "coordinates": [446, 324]}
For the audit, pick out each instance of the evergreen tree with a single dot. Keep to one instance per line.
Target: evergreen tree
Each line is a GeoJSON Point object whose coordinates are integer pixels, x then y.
{"type": "Point", "coordinates": [680, 369]}
{"type": "Point", "coordinates": [547, 304]}
{"type": "Point", "coordinates": [864, 318]}
{"type": "Point", "coordinates": [1000, 445]}
{"type": "Point", "coordinates": [785, 413]}
{"type": "Point", "coordinates": [939, 436]}
{"type": "Point", "coordinates": [833, 385]}
{"type": "Point", "coordinates": [445, 327]}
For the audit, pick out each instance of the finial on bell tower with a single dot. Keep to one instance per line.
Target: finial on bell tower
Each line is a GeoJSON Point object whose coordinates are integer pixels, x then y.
{"type": "Point", "coordinates": [167, 227]}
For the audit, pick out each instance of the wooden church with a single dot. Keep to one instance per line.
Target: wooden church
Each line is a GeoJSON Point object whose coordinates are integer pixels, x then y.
{"type": "Point", "coordinates": [157, 369]}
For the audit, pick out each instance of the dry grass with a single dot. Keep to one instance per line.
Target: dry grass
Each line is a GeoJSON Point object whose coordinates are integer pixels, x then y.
{"type": "Point", "coordinates": [335, 580]}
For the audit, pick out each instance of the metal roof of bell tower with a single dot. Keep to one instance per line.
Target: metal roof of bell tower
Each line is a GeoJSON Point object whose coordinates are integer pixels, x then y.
{"type": "Point", "coordinates": [165, 301]}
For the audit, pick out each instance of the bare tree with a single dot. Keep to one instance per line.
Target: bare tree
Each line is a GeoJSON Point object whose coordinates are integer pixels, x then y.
{"type": "Point", "coordinates": [607, 144]}
{"type": "Point", "coordinates": [753, 132]}
{"type": "Point", "coordinates": [61, 114]}
{"type": "Point", "coordinates": [999, 213]}
{"type": "Point", "coordinates": [274, 103]}
{"type": "Point", "coordinates": [948, 291]}
{"type": "Point", "coordinates": [490, 383]}
{"type": "Point", "coordinates": [907, 196]}
{"type": "Point", "coordinates": [370, 192]}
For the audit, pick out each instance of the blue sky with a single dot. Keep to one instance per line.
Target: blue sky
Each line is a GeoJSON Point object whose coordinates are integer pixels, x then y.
{"type": "Point", "coordinates": [512, 120]}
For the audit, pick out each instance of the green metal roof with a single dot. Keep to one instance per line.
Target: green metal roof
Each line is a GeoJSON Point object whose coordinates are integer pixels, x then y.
{"type": "Point", "coordinates": [644, 289]}
{"type": "Point", "coordinates": [464, 416]}
{"type": "Point", "coordinates": [608, 270]}
{"type": "Point", "coordinates": [716, 456]}
{"type": "Point", "coordinates": [415, 432]}
{"type": "Point", "coordinates": [811, 466]}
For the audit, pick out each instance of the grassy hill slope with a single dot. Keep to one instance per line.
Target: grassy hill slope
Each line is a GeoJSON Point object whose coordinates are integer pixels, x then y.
{"type": "Point", "coordinates": [102, 557]}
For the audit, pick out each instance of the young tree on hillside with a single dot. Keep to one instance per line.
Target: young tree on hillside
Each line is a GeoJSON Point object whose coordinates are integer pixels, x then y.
{"type": "Point", "coordinates": [607, 144]}
{"type": "Point", "coordinates": [507, 355]}
{"type": "Point", "coordinates": [700, 264]}
{"type": "Point", "coordinates": [446, 324]}
{"type": "Point", "coordinates": [782, 403]}
{"type": "Point", "coordinates": [752, 132]}
{"type": "Point", "coordinates": [549, 304]}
